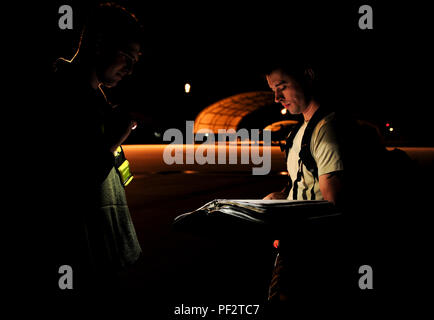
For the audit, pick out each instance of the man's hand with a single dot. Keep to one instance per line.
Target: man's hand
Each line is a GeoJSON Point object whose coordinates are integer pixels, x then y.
{"type": "Point", "coordinates": [276, 196]}
{"type": "Point", "coordinates": [132, 125]}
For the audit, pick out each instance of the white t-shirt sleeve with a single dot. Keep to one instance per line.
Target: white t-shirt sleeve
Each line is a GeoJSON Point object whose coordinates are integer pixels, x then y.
{"type": "Point", "coordinates": [325, 149]}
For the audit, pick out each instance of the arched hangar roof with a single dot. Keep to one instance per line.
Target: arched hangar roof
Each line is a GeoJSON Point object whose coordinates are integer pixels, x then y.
{"type": "Point", "coordinates": [228, 113]}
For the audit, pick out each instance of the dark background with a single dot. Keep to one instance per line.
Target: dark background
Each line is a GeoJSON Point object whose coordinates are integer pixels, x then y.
{"type": "Point", "coordinates": [221, 48]}
{"type": "Point", "coordinates": [381, 75]}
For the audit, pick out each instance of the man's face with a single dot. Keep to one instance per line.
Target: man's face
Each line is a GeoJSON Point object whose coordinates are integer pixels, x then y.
{"type": "Point", "coordinates": [287, 92]}
{"type": "Point", "coordinates": [120, 66]}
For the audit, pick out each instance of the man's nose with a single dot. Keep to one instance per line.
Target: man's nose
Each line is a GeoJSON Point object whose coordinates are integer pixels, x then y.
{"type": "Point", "coordinates": [277, 97]}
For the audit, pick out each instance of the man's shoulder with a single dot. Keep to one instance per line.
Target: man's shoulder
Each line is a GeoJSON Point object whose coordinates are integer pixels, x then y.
{"type": "Point", "coordinates": [327, 123]}
{"type": "Point", "coordinates": [328, 118]}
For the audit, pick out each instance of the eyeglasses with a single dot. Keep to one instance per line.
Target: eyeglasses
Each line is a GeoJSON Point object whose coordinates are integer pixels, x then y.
{"type": "Point", "coordinates": [130, 60]}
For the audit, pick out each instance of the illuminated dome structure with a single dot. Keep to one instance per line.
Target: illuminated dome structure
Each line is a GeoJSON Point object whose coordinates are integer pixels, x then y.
{"type": "Point", "coordinates": [228, 113]}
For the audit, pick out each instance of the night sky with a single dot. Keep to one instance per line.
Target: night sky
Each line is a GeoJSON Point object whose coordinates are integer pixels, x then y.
{"type": "Point", "coordinates": [220, 48]}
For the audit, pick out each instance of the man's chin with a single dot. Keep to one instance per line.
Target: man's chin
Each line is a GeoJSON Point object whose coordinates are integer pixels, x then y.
{"type": "Point", "coordinates": [293, 111]}
{"type": "Point", "coordinates": [110, 84]}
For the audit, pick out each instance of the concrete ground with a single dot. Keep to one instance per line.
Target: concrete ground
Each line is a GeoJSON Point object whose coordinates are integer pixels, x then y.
{"type": "Point", "coordinates": [181, 268]}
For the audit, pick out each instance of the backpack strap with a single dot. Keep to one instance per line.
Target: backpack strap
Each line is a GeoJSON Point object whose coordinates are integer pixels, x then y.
{"type": "Point", "coordinates": [305, 155]}
{"type": "Point", "coordinates": [290, 138]}
{"type": "Point", "coordinates": [287, 145]}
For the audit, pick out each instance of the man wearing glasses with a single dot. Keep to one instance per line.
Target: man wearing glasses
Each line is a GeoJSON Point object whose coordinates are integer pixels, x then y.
{"type": "Point", "coordinates": [121, 66]}
{"type": "Point", "coordinates": [95, 230]}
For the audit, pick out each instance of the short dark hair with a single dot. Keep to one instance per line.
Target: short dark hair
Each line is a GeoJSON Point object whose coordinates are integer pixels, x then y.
{"type": "Point", "coordinates": [110, 27]}
{"type": "Point", "coordinates": [304, 72]}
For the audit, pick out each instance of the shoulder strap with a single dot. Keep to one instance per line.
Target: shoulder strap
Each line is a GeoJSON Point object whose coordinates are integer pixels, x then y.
{"type": "Point", "coordinates": [305, 154]}
{"type": "Point", "coordinates": [290, 138]}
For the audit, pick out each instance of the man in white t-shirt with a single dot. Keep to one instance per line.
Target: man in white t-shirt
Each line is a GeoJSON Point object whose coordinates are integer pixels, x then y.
{"type": "Point", "coordinates": [294, 87]}
{"type": "Point", "coordinates": [292, 91]}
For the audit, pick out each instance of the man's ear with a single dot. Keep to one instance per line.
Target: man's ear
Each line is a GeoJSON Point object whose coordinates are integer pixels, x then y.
{"type": "Point", "coordinates": [101, 44]}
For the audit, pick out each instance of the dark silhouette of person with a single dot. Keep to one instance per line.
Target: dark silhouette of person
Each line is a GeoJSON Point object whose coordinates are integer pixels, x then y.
{"type": "Point", "coordinates": [95, 233]}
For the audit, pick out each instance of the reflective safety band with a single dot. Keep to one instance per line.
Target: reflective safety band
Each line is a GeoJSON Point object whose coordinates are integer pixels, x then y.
{"type": "Point", "coordinates": [123, 168]}
{"type": "Point", "coordinates": [118, 151]}
{"type": "Point", "coordinates": [125, 173]}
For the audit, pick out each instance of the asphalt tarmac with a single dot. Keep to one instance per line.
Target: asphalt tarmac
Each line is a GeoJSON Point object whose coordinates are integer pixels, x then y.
{"type": "Point", "coordinates": [181, 268]}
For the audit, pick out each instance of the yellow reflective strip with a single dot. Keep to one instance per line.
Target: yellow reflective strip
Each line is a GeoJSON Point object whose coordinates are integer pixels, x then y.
{"type": "Point", "coordinates": [124, 166]}
{"type": "Point", "coordinates": [117, 151]}
{"type": "Point", "coordinates": [124, 170]}
{"type": "Point", "coordinates": [128, 181]}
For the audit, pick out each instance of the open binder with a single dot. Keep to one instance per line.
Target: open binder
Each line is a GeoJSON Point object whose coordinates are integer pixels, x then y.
{"type": "Point", "coordinates": [272, 215]}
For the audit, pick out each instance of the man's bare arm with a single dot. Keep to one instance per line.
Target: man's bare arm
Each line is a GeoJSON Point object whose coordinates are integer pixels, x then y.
{"type": "Point", "coordinates": [331, 186]}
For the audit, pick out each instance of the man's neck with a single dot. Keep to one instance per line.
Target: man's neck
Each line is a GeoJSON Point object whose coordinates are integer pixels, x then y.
{"type": "Point", "coordinates": [310, 110]}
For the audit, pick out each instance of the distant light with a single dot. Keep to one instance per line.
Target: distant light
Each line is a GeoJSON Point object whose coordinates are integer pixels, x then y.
{"type": "Point", "coordinates": [157, 134]}
{"type": "Point", "coordinates": [390, 129]}
{"type": "Point", "coordinates": [190, 172]}
{"type": "Point", "coordinates": [283, 173]}
{"type": "Point", "coordinates": [283, 111]}
{"type": "Point", "coordinates": [187, 87]}
{"type": "Point", "coordinates": [387, 124]}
